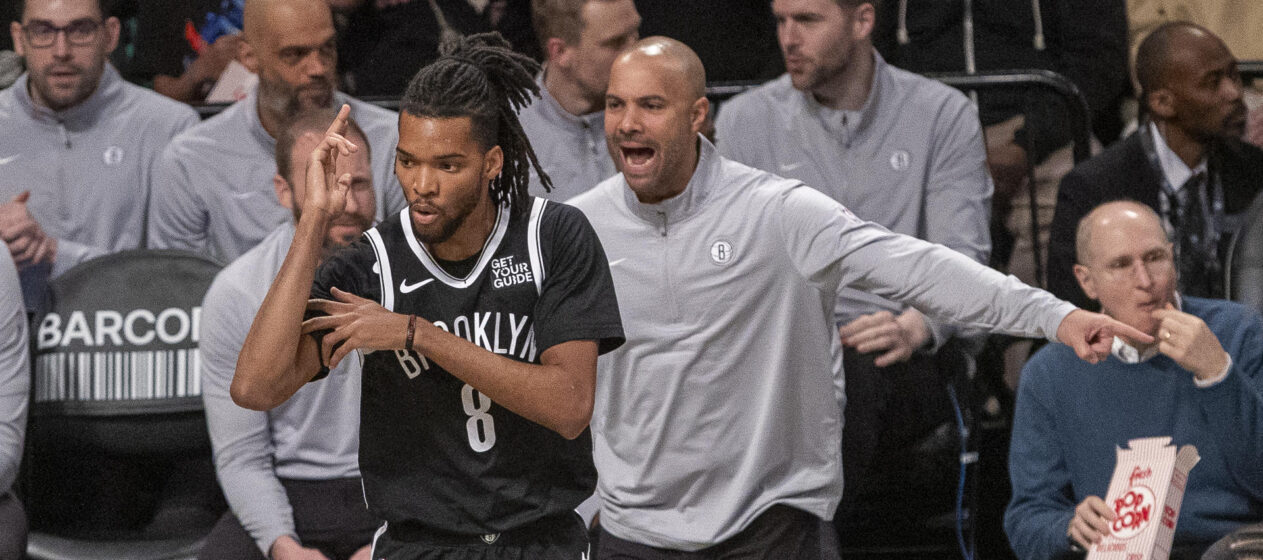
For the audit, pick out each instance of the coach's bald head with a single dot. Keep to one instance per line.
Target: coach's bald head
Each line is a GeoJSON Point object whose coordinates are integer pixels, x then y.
{"type": "Point", "coordinates": [654, 108]}
{"type": "Point", "coordinates": [290, 44]}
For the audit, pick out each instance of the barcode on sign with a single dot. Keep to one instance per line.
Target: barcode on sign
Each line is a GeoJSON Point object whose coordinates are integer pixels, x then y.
{"type": "Point", "coordinates": [107, 376]}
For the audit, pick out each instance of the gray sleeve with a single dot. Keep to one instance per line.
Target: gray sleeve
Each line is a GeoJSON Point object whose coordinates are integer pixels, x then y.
{"type": "Point", "coordinates": [831, 247]}
{"type": "Point", "coordinates": [15, 372]}
{"type": "Point", "coordinates": [958, 192]}
{"type": "Point", "coordinates": [177, 218]}
{"type": "Point", "coordinates": [240, 438]}
{"type": "Point", "coordinates": [728, 141]}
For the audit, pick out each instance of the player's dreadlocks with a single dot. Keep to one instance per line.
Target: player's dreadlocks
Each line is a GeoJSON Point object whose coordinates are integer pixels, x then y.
{"type": "Point", "coordinates": [481, 78]}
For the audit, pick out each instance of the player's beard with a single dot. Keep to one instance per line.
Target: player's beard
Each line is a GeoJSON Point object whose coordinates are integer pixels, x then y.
{"type": "Point", "coordinates": [450, 219]}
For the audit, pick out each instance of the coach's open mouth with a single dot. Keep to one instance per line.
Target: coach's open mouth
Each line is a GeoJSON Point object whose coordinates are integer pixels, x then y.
{"type": "Point", "coordinates": [636, 157]}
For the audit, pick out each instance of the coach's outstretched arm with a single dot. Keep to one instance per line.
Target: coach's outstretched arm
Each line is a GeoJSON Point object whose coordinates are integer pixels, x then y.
{"type": "Point", "coordinates": [276, 359]}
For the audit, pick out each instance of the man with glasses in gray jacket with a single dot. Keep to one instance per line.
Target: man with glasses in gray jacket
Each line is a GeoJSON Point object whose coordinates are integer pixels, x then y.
{"type": "Point", "coordinates": [78, 145]}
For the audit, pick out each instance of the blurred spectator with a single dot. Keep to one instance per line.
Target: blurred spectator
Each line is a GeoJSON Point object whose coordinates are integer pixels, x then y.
{"type": "Point", "coordinates": [897, 149]}
{"type": "Point", "coordinates": [1186, 162]}
{"type": "Point", "coordinates": [1200, 382]}
{"type": "Point", "coordinates": [386, 41]}
{"type": "Point", "coordinates": [173, 46]}
{"type": "Point", "coordinates": [1084, 40]}
{"type": "Point", "coordinates": [291, 474]}
{"type": "Point", "coordinates": [735, 39]}
{"type": "Point", "coordinates": [566, 125]}
{"type": "Point", "coordinates": [79, 144]}
{"type": "Point", "coordinates": [1235, 21]}
{"type": "Point", "coordinates": [10, 68]}
{"type": "Point", "coordinates": [213, 190]}
{"type": "Point", "coordinates": [15, 386]}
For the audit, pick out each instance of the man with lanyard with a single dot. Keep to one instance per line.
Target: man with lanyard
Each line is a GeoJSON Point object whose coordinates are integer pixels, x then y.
{"type": "Point", "coordinates": [1187, 161]}
{"type": "Point", "coordinates": [484, 310]}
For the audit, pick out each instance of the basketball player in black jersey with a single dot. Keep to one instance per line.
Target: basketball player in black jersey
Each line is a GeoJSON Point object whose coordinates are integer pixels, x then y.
{"type": "Point", "coordinates": [479, 311]}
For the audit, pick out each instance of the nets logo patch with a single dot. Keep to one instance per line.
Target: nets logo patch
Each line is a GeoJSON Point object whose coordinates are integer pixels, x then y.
{"type": "Point", "coordinates": [900, 160]}
{"type": "Point", "coordinates": [113, 156]}
{"type": "Point", "coordinates": [721, 252]}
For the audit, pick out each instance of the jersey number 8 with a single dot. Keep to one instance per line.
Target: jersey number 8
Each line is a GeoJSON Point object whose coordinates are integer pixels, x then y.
{"type": "Point", "coordinates": [481, 427]}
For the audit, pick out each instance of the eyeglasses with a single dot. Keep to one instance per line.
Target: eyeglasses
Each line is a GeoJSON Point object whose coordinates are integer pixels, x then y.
{"type": "Point", "coordinates": [80, 32]}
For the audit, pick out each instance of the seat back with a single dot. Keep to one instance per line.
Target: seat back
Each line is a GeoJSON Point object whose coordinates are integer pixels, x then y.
{"type": "Point", "coordinates": [1243, 278]}
{"type": "Point", "coordinates": [116, 375]}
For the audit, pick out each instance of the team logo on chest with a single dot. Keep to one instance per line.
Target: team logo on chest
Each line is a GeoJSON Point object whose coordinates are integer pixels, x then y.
{"type": "Point", "coordinates": [900, 160]}
{"type": "Point", "coordinates": [506, 272]}
{"type": "Point", "coordinates": [721, 252]}
{"type": "Point", "coordinates": [112, 156]}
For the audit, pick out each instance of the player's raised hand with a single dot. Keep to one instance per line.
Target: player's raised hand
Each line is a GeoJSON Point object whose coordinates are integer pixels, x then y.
{"type": "Point", "coordinates": [356, 323]}
{"type": "Point", "coordinates": [327, 191]}
{"type": "Point", "coordinates": [1187, 340]}
{"type": "Point", "coordinates": [1092, 334]}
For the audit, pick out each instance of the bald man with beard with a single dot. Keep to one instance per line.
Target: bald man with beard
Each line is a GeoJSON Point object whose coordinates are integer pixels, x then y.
{"type": "Point", "coordinates": [213, 184]}
{"type": "Point", "coordinates": [719, 426]}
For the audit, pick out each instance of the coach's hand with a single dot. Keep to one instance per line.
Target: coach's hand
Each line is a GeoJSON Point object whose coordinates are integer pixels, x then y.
{"type": "Point", "coordinates": [356, 323]}
{"type": "Point", "coordinates": [325, 190]}
{"type": "Point", "coordinates": [1092, 334]}
{"type": "Point", "coordinates": [896, 337]}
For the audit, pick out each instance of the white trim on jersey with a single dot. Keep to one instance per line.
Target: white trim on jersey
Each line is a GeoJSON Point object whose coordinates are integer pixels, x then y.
{"type": "Point", "coordinates": [532, 243]}
{"type": "Point", "coordinates": [428, 260]}
{"type": "Point", "coordinates": [383, 264]}
{"type": "Point", "coordinates": [372, 551]}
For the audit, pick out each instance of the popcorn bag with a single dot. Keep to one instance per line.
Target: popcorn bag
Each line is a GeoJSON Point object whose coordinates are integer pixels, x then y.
{"type": "Point", "coordinates": [1145, 494]}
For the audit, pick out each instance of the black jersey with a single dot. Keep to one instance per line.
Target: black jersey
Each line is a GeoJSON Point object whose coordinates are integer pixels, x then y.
{"type": "Point", "coordinates": [435, 451]}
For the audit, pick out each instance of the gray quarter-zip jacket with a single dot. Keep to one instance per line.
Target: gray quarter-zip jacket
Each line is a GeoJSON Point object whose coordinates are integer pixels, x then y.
{"type": "Point", "coordinates": [571, 148]}
{"type": "Point", "coordinates": [721, 403]}
{"type": "Point", "coordinates": [912, 159]}
{"type": "Point", "coordinates": [87, 167]}
{"type": "Point", "coordinates": [314, 435]}
{"type": "Point", "coordinates": [213, 187]}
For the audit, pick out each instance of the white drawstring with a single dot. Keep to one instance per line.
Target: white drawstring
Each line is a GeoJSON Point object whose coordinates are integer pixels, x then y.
{"type": "Point", "coordinates": [902, 33]}
{"type": "Point", "coordinates": [1039, 26]}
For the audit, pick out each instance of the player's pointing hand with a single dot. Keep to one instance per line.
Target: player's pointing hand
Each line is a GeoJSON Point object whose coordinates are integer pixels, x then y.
{"type": "Point", "coordinates": [325, 190]}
